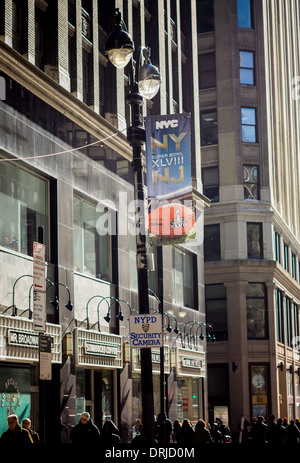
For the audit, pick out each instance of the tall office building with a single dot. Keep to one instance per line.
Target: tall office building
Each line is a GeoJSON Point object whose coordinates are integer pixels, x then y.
{"type": "Point", "coordinates": [66, 169]}
{"type": "Point", "coordinates": [249, 101]}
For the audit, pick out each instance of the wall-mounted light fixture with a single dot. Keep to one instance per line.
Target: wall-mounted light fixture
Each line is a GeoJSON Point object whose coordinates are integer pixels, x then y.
{"type": "Point", "coordinates": [172, 358]}
{"type": "Point", "coordinates": [126, 352]}
{"type": "Point", "coordinates": [68, 344]}
{"type": "Point", "coordinates": [234, 367]}
{"type": "Point", "coordinates": [280, 366]}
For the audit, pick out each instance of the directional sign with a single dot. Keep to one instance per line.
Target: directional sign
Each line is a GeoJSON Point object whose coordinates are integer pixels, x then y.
{"type": "Point", "coordinates": [146, 331]}
{"type": "Point", "coordinates": [39, 311]}
{"type": "Point", "coordinates": [39, 283]}
{"type": "Point", "coordinates": [45, 357]}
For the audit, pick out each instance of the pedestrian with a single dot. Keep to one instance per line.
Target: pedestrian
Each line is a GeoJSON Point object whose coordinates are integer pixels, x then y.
{"type": "Point", "coordinates": [110, 434]}
{"type": "Point", "coordinates": [26, 423]}
{"type": "Point", "coordinates": [216, 434]}
{"type": "Point", "coordinates": [285, 422]}
{"type": "Point", "coordinates": [258, 432]}
{"type": "Point", "coordinates": [163, 429]}
{"type": "Point", "coordinates": [85, 432]}
{"type": "Point", "coordinates": [244, 431]}
{"type": "Point", "coordinates": [186, 432]}
{"type": "Point", "coordinates": [176, 428]}
{"type": "Point", "coordinates": [224, 430]}
{"type": "Point", "coordinates": [270, 430]}
{"type": "Point", "coordinates": [279, 432]}
{"type": "Point", "coordinates": [202, 434]}
{"type": "Point", "coordinates": [15, 434]}
{"type": "Point", "coordinates": [292, 433]}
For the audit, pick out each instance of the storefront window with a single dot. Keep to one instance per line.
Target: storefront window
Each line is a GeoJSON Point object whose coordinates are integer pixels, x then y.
{"type": "Point", "coordinates": [14, 394]}
{"type": "Point", "coordinates": [92, 244]}
{"type": "Point", "coordinates": [94, 394]}
{"type": "Point", "coordinates": [259, 390]}
{"type": "Point", "coordinates": [188, 399]}
{"type": "Point", "coordinates": [24, 208]}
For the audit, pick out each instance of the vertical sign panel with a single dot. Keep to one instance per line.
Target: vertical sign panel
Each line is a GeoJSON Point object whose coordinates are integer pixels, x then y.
{"type": "Point", "coordinates": [39, 283]}
{"type": "Point", "coordinates": [39, 287]}
{"type": "Point", "coordinates": [169, 179]}
{"type": "Point", "coordinates": [45, 357]}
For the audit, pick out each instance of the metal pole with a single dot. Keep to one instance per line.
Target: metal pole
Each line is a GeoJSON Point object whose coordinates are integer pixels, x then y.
{"type": "Point", "coordinates": [163, 406]}
{"type": "Point", "coordinates": [136, 137]}
{"type": "Point", "coordinates": [42, 383]}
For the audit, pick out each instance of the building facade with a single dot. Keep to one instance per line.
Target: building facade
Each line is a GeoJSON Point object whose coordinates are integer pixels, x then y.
{"type": "Point", "coordinates": [66, 169]}
{"type": "Point", "coordinates": [249, 102]}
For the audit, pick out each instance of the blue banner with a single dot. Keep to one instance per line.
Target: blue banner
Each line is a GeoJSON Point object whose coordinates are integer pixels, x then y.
{"type": "Point", "coordinates": [169, 178]}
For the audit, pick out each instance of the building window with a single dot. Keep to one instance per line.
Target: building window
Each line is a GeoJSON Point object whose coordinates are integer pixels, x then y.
{"type": "Point", "coordinates": [286, 263]}
{"type": "Point", "coordinates": [251, 190]}
{"type": "Point", "coordinates": [288, 322]}
{"type": "Point", "coordinates": [296, 320]}
{"type": "Point", "coordinates": [152, 274]}
{"type": "Point", "coordinates": [205, 16]}
{"type": "Point", "coordinates": [293, 264]}
{"type": "Point", "coordinates": [245, 13]}
{"type": "Point", "coordinates": [277, 246]}
{"type": "Point", "coordinates": [256, 311]}
{"type": "Point", "coordinates": [248, 116]}
{"type": "Point", "coordinates": [132, 257]}
{"type": "Point", "coordinates": [19, 26]}
{"type": "Point", "coordinates": [210, 178]}
{"type": "Point", "coordinates": [246, 67]}
{"type": "Point", "coordinates": [212, 244]}
{"type": "Point", "coordinates": [216, 310]}
{"type": "Point", "coordinates": [92, 240]}
{"type": "Point", "coordinates": [209, 128]}
{"type": "Point", "coordinates": [279, 315]}
{"type": "Point", "coordinates": [24, 206]}
{"type": "Point", "coordinates": [207, 71]}
{"type": "Point", "coordinates": [183, 278]}
{"type": "Point", "coordinates": [255, 241]}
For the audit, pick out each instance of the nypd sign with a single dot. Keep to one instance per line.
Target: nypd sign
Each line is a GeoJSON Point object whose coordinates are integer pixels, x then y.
{"type": "Point", "coordinates": [146, 331]}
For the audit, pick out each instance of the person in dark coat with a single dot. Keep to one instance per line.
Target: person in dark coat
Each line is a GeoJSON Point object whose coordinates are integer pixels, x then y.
{"type": "Point", "coordinates": [15, 434]}
{"type": "Point", "coordinates": [176, 428]}
{"type": "Point", "coordinates": [279, 432]}
{"type": "Point", "coordinates": [26, 423]}
{"type": "Point", "coordinates": [216, 434]}
{"type": "Point", "coordinates": [85, 432]}
{"type": "Point", "coordinates": [109, 435]}
{"type": "Point", "coordinates": [185, 433]}
{"type": "Point", "coordinates": [258, 432]}
{"type": "Point", "coordinates": [271, 429]}
{"type": "Point", "coordinates": [202, 434]}
{"type": "Point", "coordinates": [163, 429]}
{"type": "Point", "coordinates": [292, 433]}
{"type": "Point", "coordinates": [224, 430]}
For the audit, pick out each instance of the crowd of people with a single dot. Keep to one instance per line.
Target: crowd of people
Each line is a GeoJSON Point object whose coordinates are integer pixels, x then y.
{"type": "Point", "coordinates": [278, 431]}
{"type": "Point", "coordinates": [85, 432]}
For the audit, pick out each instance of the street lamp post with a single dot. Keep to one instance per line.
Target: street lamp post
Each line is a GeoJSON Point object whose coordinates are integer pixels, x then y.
{"type": "Point", "coordinates": [144, 82]}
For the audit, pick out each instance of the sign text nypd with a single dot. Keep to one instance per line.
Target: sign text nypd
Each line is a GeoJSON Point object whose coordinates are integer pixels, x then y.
{"type": "Point", "coordinates": [146, 331]}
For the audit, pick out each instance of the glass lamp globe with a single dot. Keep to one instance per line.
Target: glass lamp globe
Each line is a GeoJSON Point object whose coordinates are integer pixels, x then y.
{"type": "Point", "coordinates": [119, 58]}
{"type": "Point", "coordinates": [119, 48]}
{"type": "Point", "coordinates": [149, 81]}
